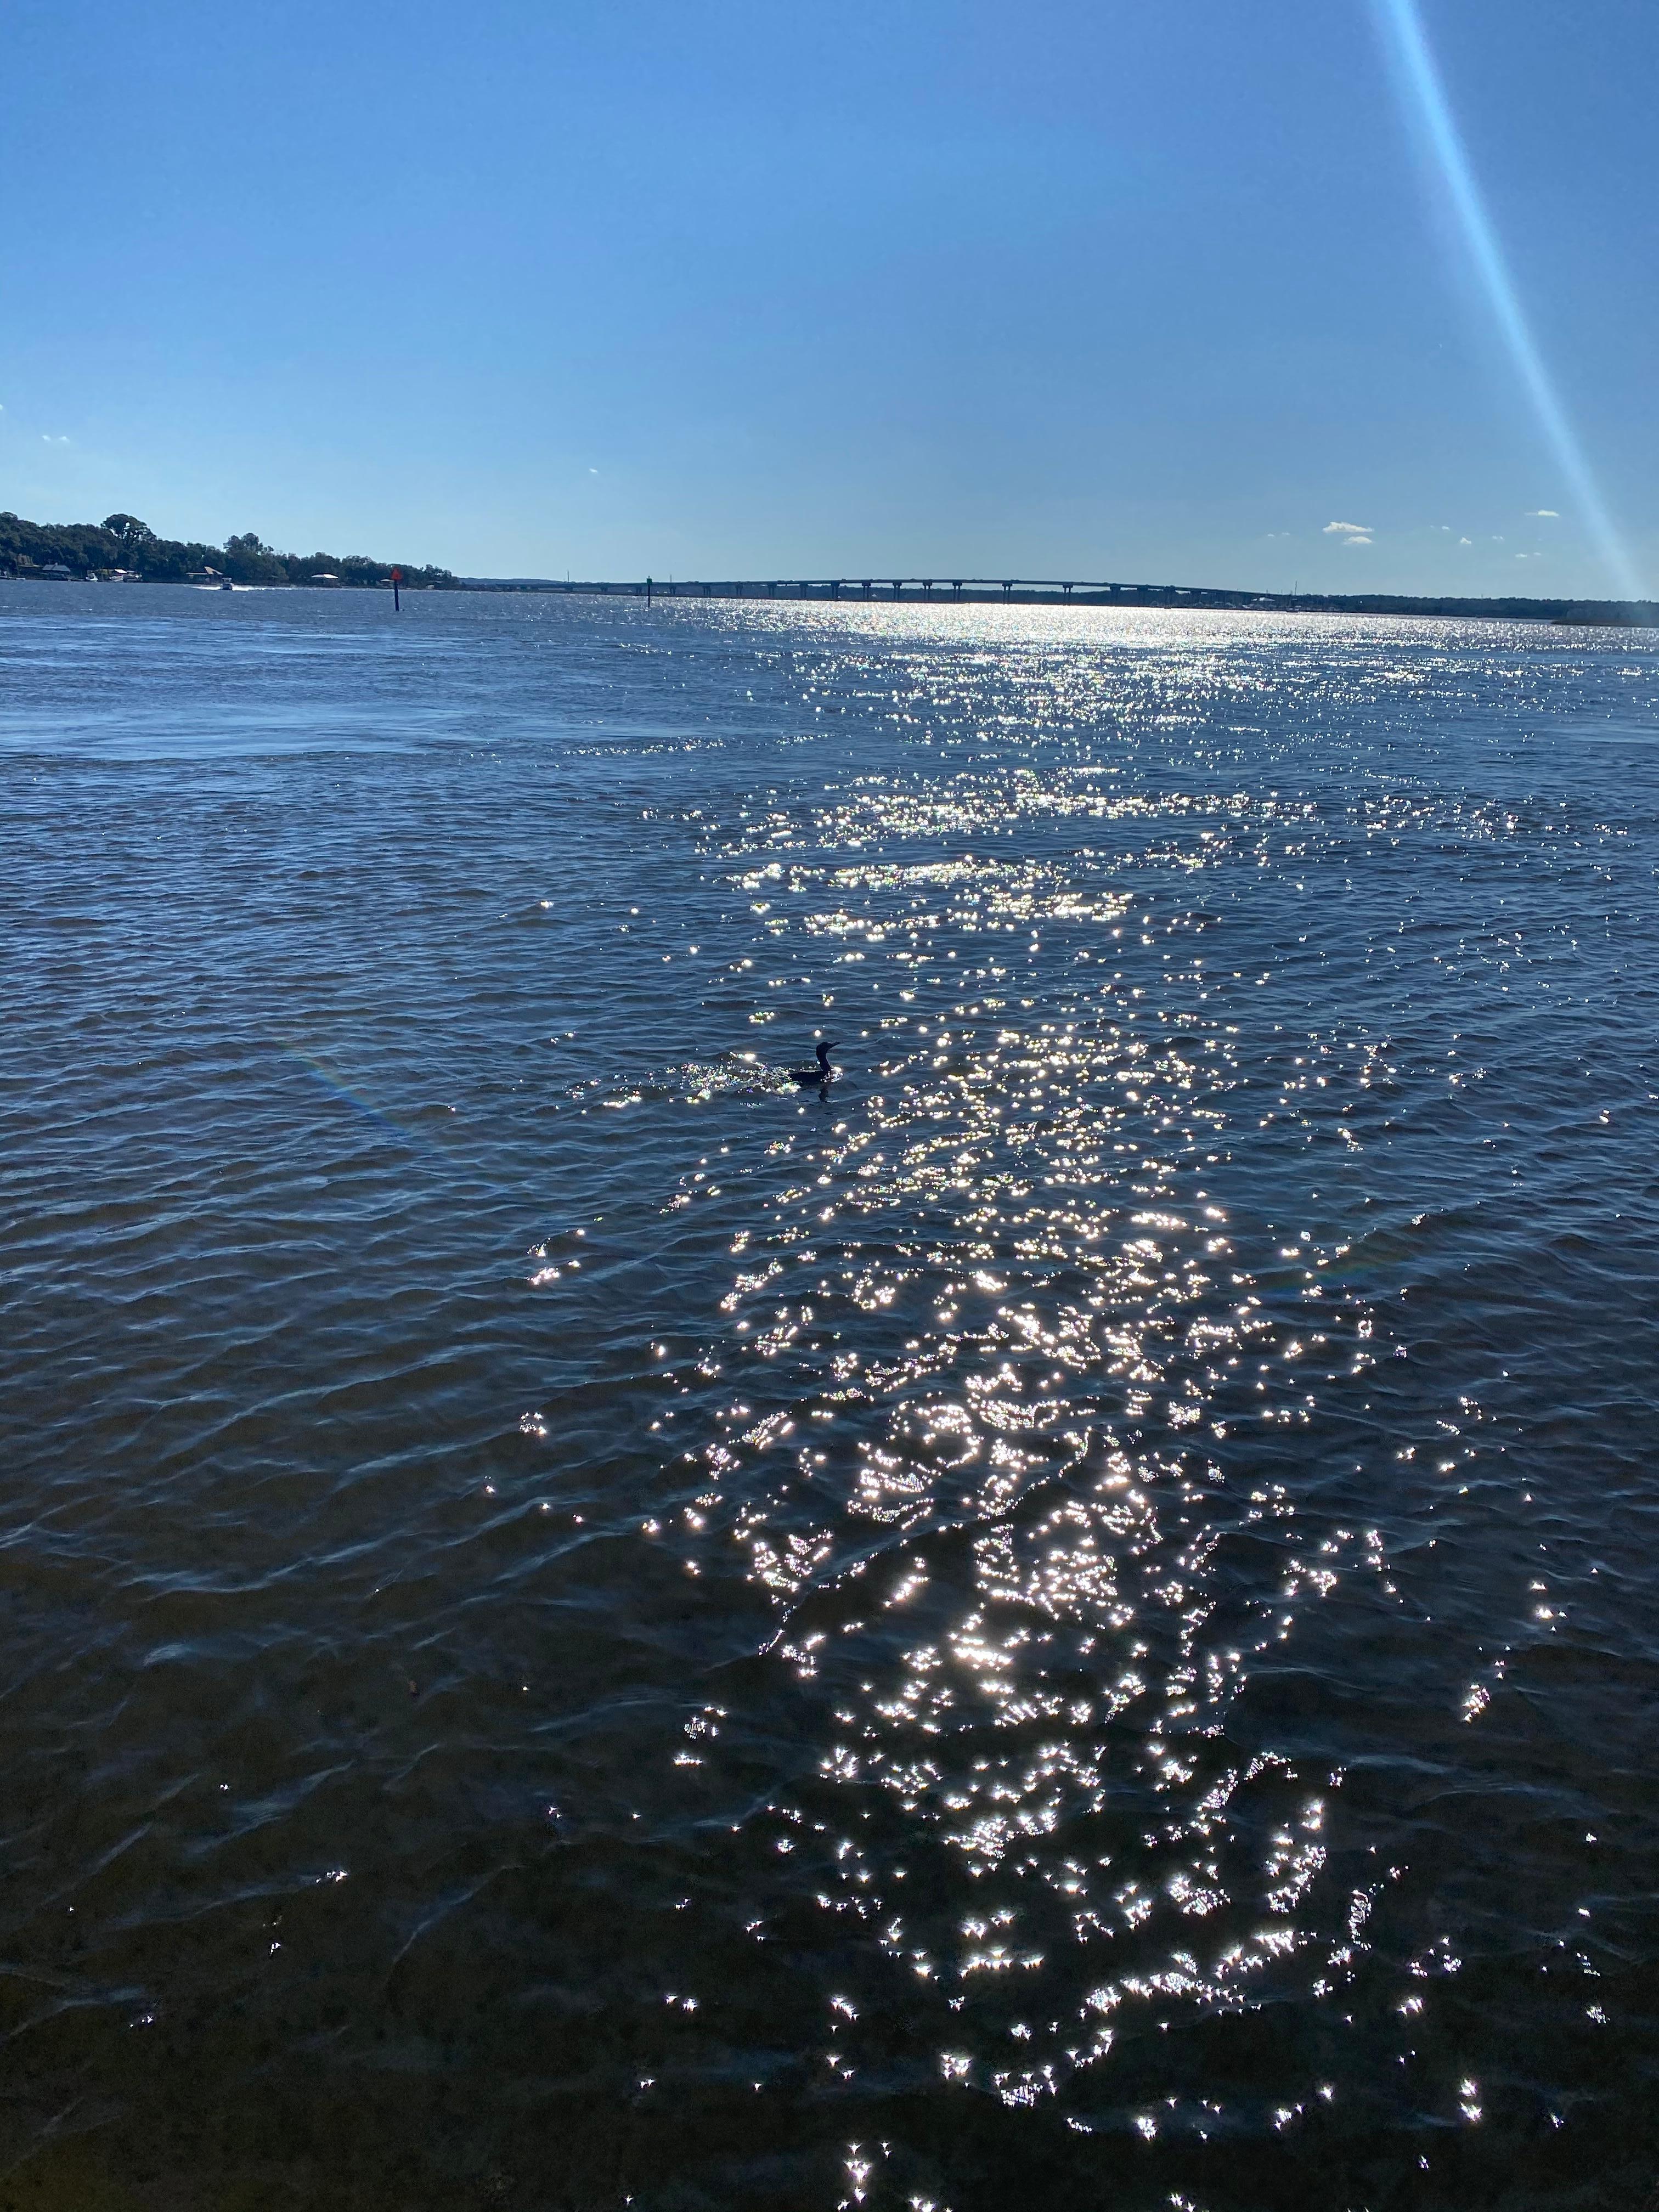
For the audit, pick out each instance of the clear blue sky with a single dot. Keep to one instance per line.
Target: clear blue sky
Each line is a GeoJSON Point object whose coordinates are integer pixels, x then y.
{"type": "Point", "coordinates": [1081, 287]}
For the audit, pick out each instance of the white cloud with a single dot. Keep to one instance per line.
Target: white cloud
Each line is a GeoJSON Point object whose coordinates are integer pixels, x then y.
{"type": "Point", "coordinates": [1348, 530]}
{"type": "Point", "coordinates": [1543, 514]}
{"type": "Point", "coordinates": [48, 440]}
{"type": "Point", "coordinates": [1466, 541]}
{"type": "Point", "coordinates": [1357, 540]}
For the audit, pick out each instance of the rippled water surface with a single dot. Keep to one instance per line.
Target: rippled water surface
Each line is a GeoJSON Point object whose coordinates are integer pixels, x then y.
{"type": "Point", "coordinates": [1070, 1621]}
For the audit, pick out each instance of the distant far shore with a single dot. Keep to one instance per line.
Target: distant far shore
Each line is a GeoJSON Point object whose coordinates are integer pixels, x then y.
{"type": "Point", "coordinates": [122, 549]}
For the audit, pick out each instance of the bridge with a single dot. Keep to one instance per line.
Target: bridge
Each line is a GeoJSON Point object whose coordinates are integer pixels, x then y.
{"type": "Point", "coordinates": [1047, 590]}
{"type": "Point", "coordinates": [1009, 591]}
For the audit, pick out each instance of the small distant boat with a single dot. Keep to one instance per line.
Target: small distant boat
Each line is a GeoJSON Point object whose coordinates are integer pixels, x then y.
{"type": "Point", "coordinates": [209, 579]}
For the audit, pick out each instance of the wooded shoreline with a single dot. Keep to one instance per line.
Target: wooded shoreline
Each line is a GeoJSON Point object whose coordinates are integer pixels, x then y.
{"type": "Point", "coordinates": [121, 546]}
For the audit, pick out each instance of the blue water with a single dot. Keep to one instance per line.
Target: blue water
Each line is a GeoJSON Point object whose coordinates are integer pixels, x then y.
{"type": "Point", "coordinates": [1069, 1620]}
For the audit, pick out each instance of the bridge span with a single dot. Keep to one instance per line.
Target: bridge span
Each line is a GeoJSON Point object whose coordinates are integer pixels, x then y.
{"type": "Point", "coordinates": [1008, 591]}
{"type": "Point", "coordinates": [1049, 591]}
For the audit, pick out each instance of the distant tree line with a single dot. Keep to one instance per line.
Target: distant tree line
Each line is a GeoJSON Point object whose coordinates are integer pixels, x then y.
{"type": "Point", "coordinates": [121, 541]}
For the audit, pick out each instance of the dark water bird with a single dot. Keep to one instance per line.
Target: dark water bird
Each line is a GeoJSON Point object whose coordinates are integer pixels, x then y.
{"type": "Point", "coordinates": [822, 1073]}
